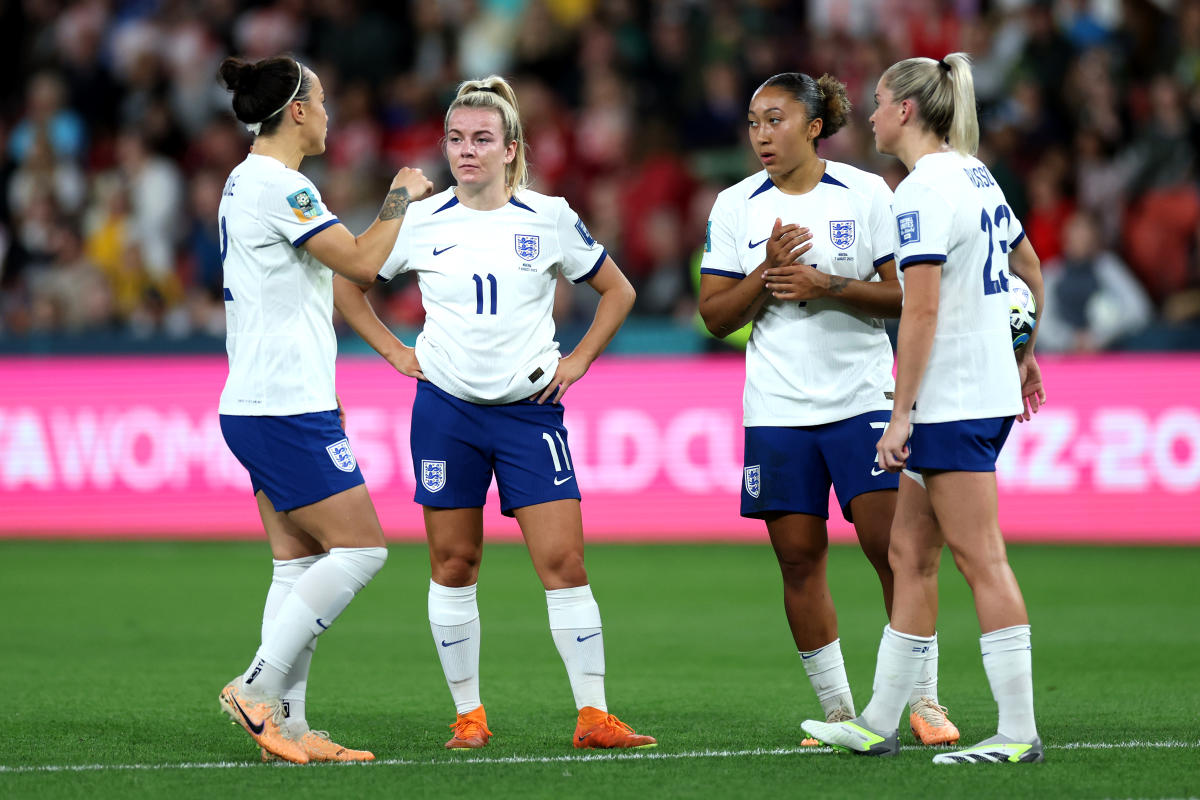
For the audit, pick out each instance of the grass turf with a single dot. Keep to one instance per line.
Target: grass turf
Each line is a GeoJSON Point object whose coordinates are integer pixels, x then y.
{"type": "Point", "coordinates": [115, 653]}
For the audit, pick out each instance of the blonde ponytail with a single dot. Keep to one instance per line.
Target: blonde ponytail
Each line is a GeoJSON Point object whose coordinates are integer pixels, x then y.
{"type": "Point", "coordinates": [944, 92]}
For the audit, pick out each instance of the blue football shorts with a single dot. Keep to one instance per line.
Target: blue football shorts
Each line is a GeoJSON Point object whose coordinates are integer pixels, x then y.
{"type": "Point", "coordinates": [295, 460]}
{"type": "Point", "coordinates": [790, 470]}
{"type": "Point", "coordinates": [457, 446]}
{"type": "Point", "coordinates": [970, 445]}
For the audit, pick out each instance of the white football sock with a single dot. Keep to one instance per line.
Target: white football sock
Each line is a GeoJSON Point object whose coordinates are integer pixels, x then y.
{"type": "Point", "coordinates": [927, 679]}
{"type": "Point", "coordinates": [454, 621]}
{"type": "Point", "coordinates": [1008, 662]}
{"type": "Point", "coordinates": [318, 597]}
{"type": "Point", "coordinates": [827, 673]}
{"type": "Point", "coordinates": [284, 575]}
{"type": "Point", "coordinates": [575, 627]}
{"type": "Point", "coordinates": [900, 658]}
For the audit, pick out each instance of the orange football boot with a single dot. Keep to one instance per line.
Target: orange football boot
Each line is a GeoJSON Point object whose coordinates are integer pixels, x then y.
{"type": "Point", "coordinates": [470, 731]}
{"type": "Point", "coordinates": [599, 729]}
{"type": "Point", "coordinates": [320, 747]}
{"type": "Point", "coordinates": [929, 723]}
{"type": "Point", "coordinates": [263, 720]}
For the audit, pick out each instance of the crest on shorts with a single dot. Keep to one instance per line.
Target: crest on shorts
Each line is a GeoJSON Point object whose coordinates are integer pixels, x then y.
{"type": "Point", "coordinates": [841, 233]}
{"type": "Point", "coordinates": [750, 477]}
{"type": "Point", "coordinates": [527, 245]}
{"type": "Point", "coordinates": [433, 474]}
{"type": "Point", "coordinates": [342, 455]}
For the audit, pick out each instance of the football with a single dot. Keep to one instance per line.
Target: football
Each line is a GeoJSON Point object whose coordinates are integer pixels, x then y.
{"type": "Point", "coordinates": [1022, 313]}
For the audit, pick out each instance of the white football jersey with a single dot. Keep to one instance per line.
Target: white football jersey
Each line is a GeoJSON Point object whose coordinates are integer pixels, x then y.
{"type": "Point", "coordinates": [278, 298]}
{"type": "Point", "coordinates": [949, 210]}
{"type": "Point", "coordinates": [822, 360]}
{"type": "Point", "coordinates": [487, 283]}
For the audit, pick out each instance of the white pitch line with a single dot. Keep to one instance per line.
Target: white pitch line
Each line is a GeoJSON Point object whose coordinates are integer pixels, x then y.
{"type": "Point", "coordinates": [580, 758]}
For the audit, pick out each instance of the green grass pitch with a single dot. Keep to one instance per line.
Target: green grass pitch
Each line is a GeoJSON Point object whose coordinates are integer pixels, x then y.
{"type": "Point", "coordinates": [113, 655]}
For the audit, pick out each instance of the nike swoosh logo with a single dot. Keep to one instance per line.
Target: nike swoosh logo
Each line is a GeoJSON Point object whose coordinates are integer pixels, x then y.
{"type": "Point", "coordinates": [255, 729]}
{"type": "Point", "coordinates": [584, 736]}
{"type": "Point", "coordinates": [813, 654]}
{"type": "Point", "coordinates": [558, 482]}
{"type": "Point", "coordinates": [756, 244]}
{"type": "Point", "coordinates": [324, 627]}
{"type": "Point", "coordinates": [875, 472]}
{"type": "Point", "coordinates": [589, 636]}
{"type": "Point", "coordinates": [456, 641]}
{"type": "Point", "coordinates": [437, 252]}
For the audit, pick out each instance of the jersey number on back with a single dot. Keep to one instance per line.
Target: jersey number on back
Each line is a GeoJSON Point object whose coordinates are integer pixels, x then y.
{"type": "Point", "coordinates": [491, 279]}
{"type": "Point", "coordinates": [987, 225]}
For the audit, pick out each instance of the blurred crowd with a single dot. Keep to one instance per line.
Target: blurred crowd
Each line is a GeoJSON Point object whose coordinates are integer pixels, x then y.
{"type": "Point", "coordinates": [116, 138]}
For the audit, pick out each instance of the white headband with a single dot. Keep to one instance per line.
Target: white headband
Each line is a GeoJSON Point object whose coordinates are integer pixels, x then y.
{"type": "Point", "coordinates": [255, 127]}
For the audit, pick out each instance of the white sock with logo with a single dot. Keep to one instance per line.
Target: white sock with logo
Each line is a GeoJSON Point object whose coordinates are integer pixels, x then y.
{"type": "Point", "coordinates": [827, 673]}
{"type": "Point", "coordinates": [575, 627]}
{"type": "Point", "coordinates": [927, 679]}
{"type": "Point", "coordinates": [900, 658]}
{"type": "Point", "coordinates": [454, 621]}
{"type": "Point", "coordinates": [1008, 662]}
{"type": "Point", "coordinates": [284, 575]}
{"type": "Point", "coordinates": [318, 597]}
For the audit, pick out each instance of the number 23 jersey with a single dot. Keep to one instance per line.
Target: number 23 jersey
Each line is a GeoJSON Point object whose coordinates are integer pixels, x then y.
{"type": "Point", "coordinates": [950, 211]}
{"type": "Point", "coordinates": [487, 281]}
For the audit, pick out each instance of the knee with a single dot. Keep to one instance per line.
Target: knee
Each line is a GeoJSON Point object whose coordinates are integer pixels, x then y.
{"type": "Point", "coordinates": [910, 560]}
{"type": "Point", "coordinates": [455, 568]}
{"type": "Point", "coordinates": [561, 570]}
{"type": "Point", "coordinates": [799, 565]}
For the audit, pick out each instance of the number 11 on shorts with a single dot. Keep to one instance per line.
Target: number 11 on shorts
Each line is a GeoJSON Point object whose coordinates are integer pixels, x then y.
{"type": "Point", "coordinates": [875, 470]}
{"type": "Point", "coordinates": [558, 463]}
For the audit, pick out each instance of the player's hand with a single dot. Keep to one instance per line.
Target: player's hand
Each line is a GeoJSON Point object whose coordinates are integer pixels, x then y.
{"type": "Point", "coordinates": [412, 180]}
{"type": "Point", "coordinates": [1033, 396]}
{"type": "Point", "coordinates": [787, 244]}
{"type": "Point", "coordinates": [893, 445]}
{"type": "Point", "coordinates": [795, 282]}
{"type": "Point", "coordinates": [406, 363]}
{"type": "Point", "coordinates": [341, 412]}
{"type": "Point", "coordinates": [570, 369]}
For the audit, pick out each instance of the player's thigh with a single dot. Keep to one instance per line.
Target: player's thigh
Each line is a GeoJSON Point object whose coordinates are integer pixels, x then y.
{"type": "Point", "coordinates": [848, 447]}
{"type": "Point", "coordinates": [346, 519]}
{"type": "Point", "coordinates": [532, 455]}
{"type": "Point", "coordinates": [965, 506]}
{"type": "Point", "coordinates": [450, 443]}
{"type": "Point", "coordinates": [800, 541]}
{"type": "Point", "coordinates": [286, 538]}
{"type": "Point", "coordinates": [784, 472]}
{"type": "Point", "coordinates": [915, 542]}
{"type": "Point", "coordinates": [553, 532]}
{"type": "Point", "coordinates": [455, 537]}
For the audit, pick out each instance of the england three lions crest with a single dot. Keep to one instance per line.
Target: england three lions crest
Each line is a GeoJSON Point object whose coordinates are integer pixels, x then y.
{"type": "Point", "coordinates": [841, 233]}
{"type": "Point", "coordinates": [342, 455]}
{"type": "Point", "coordinates": [751, 477]}
{"type": "Point", "coordinates": [433, 475]}
{"type": "Point", "coordinates": [527, 246]}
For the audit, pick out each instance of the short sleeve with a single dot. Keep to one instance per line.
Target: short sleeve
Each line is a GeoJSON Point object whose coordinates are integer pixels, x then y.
{"type": "Point", "coordinates": [881, 223]}
{"type": "Point", "coordinates": [582, 255]}
{"type": "Point", "coordinates": [292, 207]}
{"type": "Point", "coordinates": [1016, 232]}
{"type": "Point", "coordinates": [922, 229]}
{"type": "Point", "coordinates": [397, 260]}
{"type": "Point", "coordinates": [720, 244]}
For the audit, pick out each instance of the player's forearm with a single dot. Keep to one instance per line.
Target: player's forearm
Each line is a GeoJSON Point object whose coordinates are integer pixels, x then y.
{"type": "Point", "coordinates": [350, 300]}
{"type": "Point", "coordinates": [877, 298]}
{"type": "Point", "coordinates": [727, 311]}
{"type": "Point", "coordinates": [375, 243]}
{"type": "Point", "coordinates": [614, 306]}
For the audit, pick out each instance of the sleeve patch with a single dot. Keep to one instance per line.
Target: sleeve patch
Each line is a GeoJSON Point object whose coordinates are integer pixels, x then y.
{"type": "Point", "coordinates": [708, 237]}
{"type": "Point", "coordinates": [909, 226]}
{"type": "Point", "coordinates": [584, 234]}
{"type": "Point", "coordinates": [304, 205]}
